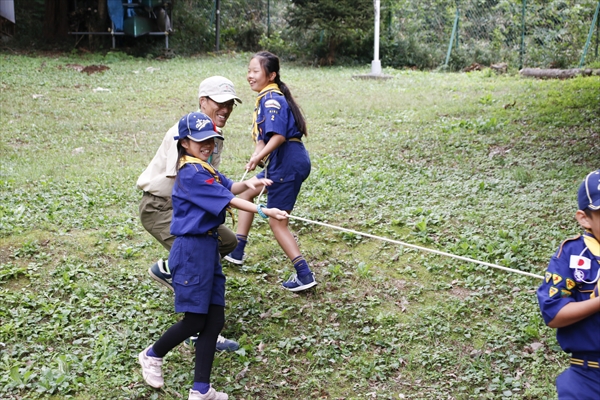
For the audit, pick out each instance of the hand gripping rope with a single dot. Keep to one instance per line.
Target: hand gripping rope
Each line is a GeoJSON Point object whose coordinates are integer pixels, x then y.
{"type": "Point", "coordinates": [412, 246]}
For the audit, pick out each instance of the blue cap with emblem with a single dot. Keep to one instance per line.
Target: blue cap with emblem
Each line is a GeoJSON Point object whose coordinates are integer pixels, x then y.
{"type": "Point", "coordinates": [589, 192]}
{"type": "Point", "coordinates": [198, 127]}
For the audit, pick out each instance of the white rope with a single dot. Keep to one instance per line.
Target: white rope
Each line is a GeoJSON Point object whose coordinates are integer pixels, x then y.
{"type": "Point", "coordinates": [412, 246]}
{"type": "Point", "coordinates": [243, 176]}
{"type": "Point", "coordinates": [420, 248]}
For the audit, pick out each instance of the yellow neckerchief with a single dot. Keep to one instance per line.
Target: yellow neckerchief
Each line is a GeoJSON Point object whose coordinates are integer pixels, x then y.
{"type": "Point", "coordinates": [592, 244]}
{"type": "Point", "coordinates": [193, 160]}
{"type": "Point", "coordinates": [266, 90]}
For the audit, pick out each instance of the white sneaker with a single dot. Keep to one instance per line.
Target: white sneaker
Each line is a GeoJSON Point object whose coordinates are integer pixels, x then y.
{"type": "Point", "coordinates": [212, 394]}
{"type": "Point", "coordinates": [151, 369]}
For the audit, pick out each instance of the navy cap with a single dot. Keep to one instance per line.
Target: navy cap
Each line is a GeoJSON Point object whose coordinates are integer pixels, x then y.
{"type": "Point", "coordinates": [197, 127]}
{"type": "Point", "coordinates": [589, 192]}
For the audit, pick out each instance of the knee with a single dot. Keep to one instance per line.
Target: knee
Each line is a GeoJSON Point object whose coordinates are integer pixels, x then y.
{"type": "Point", "coordinates": [194, 322]}
{"type": "Point", "coordinates": [228, 241]}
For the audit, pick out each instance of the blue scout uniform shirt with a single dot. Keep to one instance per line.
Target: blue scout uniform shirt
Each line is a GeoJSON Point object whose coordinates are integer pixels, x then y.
{"type": "Point", "coordinates": [572, 275]}
{"type": "Point", "coordinates": [275, 116]}
{"type": "Point", "coordinates": [199, 201]}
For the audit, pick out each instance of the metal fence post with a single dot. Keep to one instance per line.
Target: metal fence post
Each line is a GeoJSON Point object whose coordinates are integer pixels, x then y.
{"type": "Point", "coordinates": [522, 52]}
{"type": "Point", "coordinates": [589, 38]}
{"type": "Point", "coordinates": [454, 28]}
{"type": "Point", "coordinates": [268, 18]}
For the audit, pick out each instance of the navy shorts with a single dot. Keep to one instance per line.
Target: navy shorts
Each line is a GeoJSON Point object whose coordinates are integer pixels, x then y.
{"type": "Point", "coordinates": [581, 383]}
{"type": "Point", "coordinates": [288, 170]}
{"type": "Point", "coordinates": [283, 195]}
{"type": "Point", "coordinates": [198, 278]}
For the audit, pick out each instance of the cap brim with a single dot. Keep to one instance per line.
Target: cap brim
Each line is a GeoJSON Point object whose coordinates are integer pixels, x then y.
{"type": "Point", "coordinates": [202, 138]}
{"type": "Point", "coordinates": [222, 98]}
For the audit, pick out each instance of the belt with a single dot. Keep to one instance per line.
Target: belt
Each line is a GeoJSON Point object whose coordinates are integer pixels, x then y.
{"type": "Point", "coordinates": [294, 139]}
{"type": "Point", "coordinates": [584, 363]}
{"type": "Point", "coordinates": [213, 233]}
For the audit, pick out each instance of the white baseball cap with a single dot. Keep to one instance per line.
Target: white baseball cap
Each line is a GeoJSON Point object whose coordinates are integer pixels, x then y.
{"type": "Point", "coordinates": [219, 89]}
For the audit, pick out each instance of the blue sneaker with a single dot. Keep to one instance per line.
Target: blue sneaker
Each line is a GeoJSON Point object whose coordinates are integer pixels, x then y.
{"type": "Point", "coordinates": [161, 274]}
{"type": "Point", "coordinates": [299, 283]}
{"type": "Point", "coordinates": [237, 259]}
{"type": "Point", "coordinates": [223, 344]}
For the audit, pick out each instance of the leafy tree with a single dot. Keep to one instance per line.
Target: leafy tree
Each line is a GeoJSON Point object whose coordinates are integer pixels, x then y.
{"type": "Point", "coordinates": [326, 25]}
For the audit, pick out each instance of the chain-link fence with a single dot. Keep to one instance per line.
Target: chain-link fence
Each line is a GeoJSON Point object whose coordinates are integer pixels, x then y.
{"type": "Point", "coordinates": [532, 33]}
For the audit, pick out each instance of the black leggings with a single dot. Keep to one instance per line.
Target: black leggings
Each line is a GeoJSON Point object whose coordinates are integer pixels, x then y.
{"type": "Point", "coordinates": [207, 327]}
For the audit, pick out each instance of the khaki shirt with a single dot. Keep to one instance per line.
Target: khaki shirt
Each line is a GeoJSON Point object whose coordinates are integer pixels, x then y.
{"type": "Point", "coordinates": [159, 177]}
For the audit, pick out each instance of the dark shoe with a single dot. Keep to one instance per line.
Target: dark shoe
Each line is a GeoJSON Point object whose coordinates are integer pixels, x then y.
{"type": "Point", "coordinates": [298, 284]}
{"type": "Point", "coordinates": [161, 274]}
{"type": "Point", "coordinates": [235, 258]}
{"type": "Point", "coordinates": [223, 344]}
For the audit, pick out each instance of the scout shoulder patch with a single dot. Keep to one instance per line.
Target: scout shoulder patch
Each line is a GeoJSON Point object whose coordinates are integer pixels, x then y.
{"type": "Point", "coordinates": [210, 181]}
{"type": "Point", "coordinates": [556, 279]}
{"type": "Point", "coordinates": [564, 293]}
{"type": "Point", "coordinates": [570, 283]}
{"type": "Point", "coordinates": [580, 262]}
{"type": "Point", "coordinates": [272, 103]}
{"type": "Point", "coordinates": [552, 291]}
{"type": "Point", "coordinates": [548, 276]}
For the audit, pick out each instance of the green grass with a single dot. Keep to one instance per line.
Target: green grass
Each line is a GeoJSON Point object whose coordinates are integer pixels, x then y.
{"type": "Point", "coordinates": [477, 165]}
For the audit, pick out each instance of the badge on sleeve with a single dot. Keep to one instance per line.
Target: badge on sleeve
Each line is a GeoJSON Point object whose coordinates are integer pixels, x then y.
{"type": "Point", "coordinates": [552, 291]}
{"type": "Point", "coordinates": [556, 279]}
{"type": "Point", "coordinates": [548, 276]}
{"type": "Point", "coordinates": [272, 103]}
{"type": "Point", "coordinates": [564, 293]}
{"type": "Point", "coordinates": [570, 283]}
{"type": "Point", "coordinates": [579, 262]}
{"type": "Point", "coordinates": [581, 265]}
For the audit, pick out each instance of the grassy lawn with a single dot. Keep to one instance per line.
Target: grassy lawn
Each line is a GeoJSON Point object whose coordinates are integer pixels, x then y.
{"type": "Point", "coordinates": [477, 165]}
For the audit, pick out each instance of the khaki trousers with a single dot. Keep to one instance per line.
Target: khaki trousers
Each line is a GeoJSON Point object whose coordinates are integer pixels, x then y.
{"type": "Point", "coordinates": [156, 213]}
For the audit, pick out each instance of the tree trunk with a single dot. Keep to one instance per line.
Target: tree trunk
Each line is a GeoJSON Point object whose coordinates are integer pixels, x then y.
{"type": "Point", "coordinates": [558, 73]}
{"type": "Point", "coordinates": [56, 19]}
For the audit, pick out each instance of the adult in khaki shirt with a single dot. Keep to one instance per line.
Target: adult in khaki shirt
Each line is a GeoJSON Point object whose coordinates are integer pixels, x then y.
{"type": "Point", "coordinates": [217, 98]}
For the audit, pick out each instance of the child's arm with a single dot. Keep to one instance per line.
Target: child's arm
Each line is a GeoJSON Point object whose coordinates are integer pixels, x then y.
{"type": "Point", "coordinates": [575, 312]}
{"type": "Point", "coordinates": [266, 149]}
{"type": "Point", "coordinates": [252, 183]}
{"type": "Point", "coordinates": [245, 205]}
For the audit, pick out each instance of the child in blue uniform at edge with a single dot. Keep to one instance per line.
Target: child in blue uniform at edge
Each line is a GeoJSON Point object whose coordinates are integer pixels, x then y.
{"type": "Point", "coordinates": [569, 300]}
{"type": "Point", "coordinates": [201, 198]}
{"type": "Point", "coordinates": [278, 128]}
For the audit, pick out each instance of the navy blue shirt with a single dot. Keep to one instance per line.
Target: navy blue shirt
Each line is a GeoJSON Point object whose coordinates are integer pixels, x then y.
{"type": "Point", "coordinates": [199, 201]}
{"type": "Point", "coordinates": [290, 161]}
{"type": "Point", "coordinates": [571, 276]}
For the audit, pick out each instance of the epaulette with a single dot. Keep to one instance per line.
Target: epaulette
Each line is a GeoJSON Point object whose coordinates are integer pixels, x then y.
{"type": "Point", "coordinates": [565, 241]}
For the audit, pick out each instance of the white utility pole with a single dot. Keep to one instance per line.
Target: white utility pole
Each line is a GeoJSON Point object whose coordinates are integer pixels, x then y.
{"type": "Point", "coordinates": [376, 63]}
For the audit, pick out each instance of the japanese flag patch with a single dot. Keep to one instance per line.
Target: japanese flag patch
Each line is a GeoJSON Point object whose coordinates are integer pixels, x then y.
{"type": "Point", "coordinates": [579, 262]}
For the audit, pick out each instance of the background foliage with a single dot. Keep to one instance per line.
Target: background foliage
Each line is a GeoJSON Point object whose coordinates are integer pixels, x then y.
{"type": "Point", "coordinates": [414, 34]}
{"type": "Point", "coordinates": [475, 164]}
